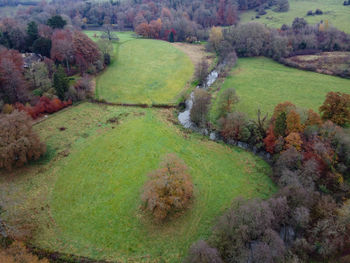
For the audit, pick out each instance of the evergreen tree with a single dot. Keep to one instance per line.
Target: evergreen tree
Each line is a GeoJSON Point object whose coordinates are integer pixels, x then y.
{"type": "Point", "coordinates": [32, 32]}
{"type": "Point", "coordinates": [281, 125]}
{"type": "Point", "coordinates": [42, 46]}
{"type": "Point", "coordinates": [56, 22]}
{"type": "Point", "coordinates": [60, 82]}
{"type": "Point", "coordinates": [171, 37]}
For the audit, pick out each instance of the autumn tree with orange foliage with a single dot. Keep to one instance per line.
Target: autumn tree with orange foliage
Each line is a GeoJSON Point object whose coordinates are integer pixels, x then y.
{"type": "Point", "coordinates": [313, 119]}
{"type": "Point", "coordinates": [151, 30]}
{"type": "Point", "coordinates": [169, 189]}
{"type": "Point", "coordinates": [17, 252]}
{"type": "Point", "coordinates": [336, 108]}
{"type": "Point", "coordinates": [294, 140]}
{"type": "Point", "coordinates": [285, 107]}
{"type": "Point", "coordinates": [293, 122]}
{"type": "Point", "coordinates": [18, 142]}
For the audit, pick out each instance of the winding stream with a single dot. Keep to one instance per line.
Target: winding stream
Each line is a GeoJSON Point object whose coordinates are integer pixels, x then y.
{"type": "Point", "coordinates": [184, 117]}
{"type": "Point", "coordinates": [185, 120]}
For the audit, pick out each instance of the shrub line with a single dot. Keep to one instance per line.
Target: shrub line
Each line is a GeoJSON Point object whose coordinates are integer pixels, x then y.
{"type": "Point", "coordinates": [139, 105]}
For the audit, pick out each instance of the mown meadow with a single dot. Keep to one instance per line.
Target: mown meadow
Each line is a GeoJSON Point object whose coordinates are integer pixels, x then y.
{"type": "Point", "coordinates": [94, 180]}
{"type": "Point", "coordinates": [262, 83]}
{"type": "Point", "coordinates": [144, 71]}
{"type": "Point", "coordinates": [333, 11]}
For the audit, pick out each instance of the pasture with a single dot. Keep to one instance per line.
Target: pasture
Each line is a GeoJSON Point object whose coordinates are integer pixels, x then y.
{"type": "Point", "coordinates": [263, 83]}
{"type": "Point", "coordinates": [333, 11]}
{"type": "Point", "coordinates": [91, 194]}
{"type": "Point", "coordinates": [144, 71]}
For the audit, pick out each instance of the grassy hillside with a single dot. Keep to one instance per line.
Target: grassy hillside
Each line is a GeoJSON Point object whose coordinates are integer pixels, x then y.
{"type": "Point", "coordinates": [337, 14]}
{"type": "Point", "coordinates": [91, 197]}
{"type": "Point", "coordinates": [144, 71]}
{"type": "Point", "coordinates": [263, 83]}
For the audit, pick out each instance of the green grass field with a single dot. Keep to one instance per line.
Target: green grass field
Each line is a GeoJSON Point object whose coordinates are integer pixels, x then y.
{"type": "Point", "coordinates": [93, 194]}
{"type": "Point", "coordinates": [337, 14]}
{"type": "Point", "coordinates": [144, 71]}
{"type": "Point", "coordinates": [263, 83]}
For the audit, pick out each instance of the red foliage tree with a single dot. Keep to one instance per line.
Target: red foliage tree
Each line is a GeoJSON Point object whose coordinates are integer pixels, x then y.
{"type": "Point", "coordinates": [45, 105]}
{"type": "Point", "coordinates": [270, 140]}
{"type": "Point", "coordinates": [86, 51]}
{"type": "Point", "coordinates": [155, 27]}
{"type": "Point", "coordinates": [62, 46]}
{"type": "Point", "coordinates": [12, 83]}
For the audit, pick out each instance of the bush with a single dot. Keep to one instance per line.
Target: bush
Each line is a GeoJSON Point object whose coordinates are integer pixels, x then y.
{"type": "Point", "coordinates": [85, 87]}
{"type": "Point", "coordinates": [227, 100]}
{"type": "Point", "coordinates": [17, 252]}
{"type": "Point", "coordinates": [318, 12]}
{"type": "Point", "coordinates": [202, 70]}
{"type": "Point", "coordinates": [336, 108]}
{"type": "Point", "coordinates": [19, 144]}
{"type": "Point", "coordinates": [201, 252]}
{"type": "Point", "coordinates": [235, 127]}
{"type": "Point", "coordinates": [245, 232]}
{"type": "Point", "coordinates": [169, 189]}
{"type": "Point", "coordinates": [200, 108]}
{"type": "Point", "coordinates": [45, 105]}
{"type": "Point", "coordinates": [7, 109]}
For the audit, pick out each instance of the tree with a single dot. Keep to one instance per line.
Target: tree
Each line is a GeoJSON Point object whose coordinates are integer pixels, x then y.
{"type": "Point", "coordinates": [32, 33]}
{"type": "Point", "coordinates": [201, 252]}
{"type": "Point", "coordinates": [280, 125]}
{"type": "Point", "coordinates": [202, 70]}
{"type": "Point", "coordinates": [270, 141]}
{"type": "Point", "coordinates": [235, 127]}
{"type": "Point", "coordinates": [282, 6]}
{"type": "Point", "coordinates": [17, 252]}
{"type": "Point", "coordinates": [13, 87]}
{"type": "Point", "coordinates": [313, 119]}
{"type": "Point", "coordinates": [227, 100]}
{"type": "Point", "coordinates": [85, 51]}
{"type": "Point", "coordinates": [215, 37]}
{"type": "Point", "coordinates": [336, 108]}
{"type": "Point", "coordinates": [56, 22]}
{"type": "Point", "coordinates": [106, 48]}
{"type": "Point", "coordinates": [19, 144]}
{"type": "Point", "coordinates": [171, 36]}
{"type": "Point", "coordinates": [294, 140]}
{"type": "Point", "coordinates": [62, 46]}
{"type": "Point", "coordinates": [155, 27]}
{"type": "Point", "coordinates": [200, 108]}
{"type": "Point", "coordinates": [109, 33]}
{"type": "Point", "coordinates": [38, 78]}
{"type": "Point", "coordinates": [60, 82]}
{"type": "Point", "coordinates": [169, 189]}
{"type": "Point", "coordinates": [42, 46]}
{"type": "Point", "coordinates": [143, 30]}
{"type": "Point", "coordinates": [293, 122]}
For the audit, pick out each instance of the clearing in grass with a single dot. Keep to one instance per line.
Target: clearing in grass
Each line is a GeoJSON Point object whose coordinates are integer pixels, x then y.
{"type": "Point", "coordinates": [91, 193]}
{"type": "Point", "coordinates": [333, 11]}
{"type": "Point", "coordinates": [263, 83]}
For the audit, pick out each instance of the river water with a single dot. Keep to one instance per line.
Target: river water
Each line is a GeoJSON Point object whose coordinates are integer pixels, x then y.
{"type": "Point", "coordinates": [185, 120]}
{"type": "Point", "coordinates": [184, 117]}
